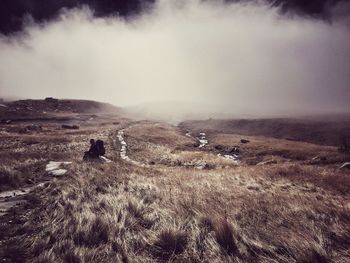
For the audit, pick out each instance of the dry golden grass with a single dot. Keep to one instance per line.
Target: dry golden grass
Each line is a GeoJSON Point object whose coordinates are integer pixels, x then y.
{"type": "Point", "coordinates": [262, 148]}
{"type": "Point", "coordinates": [24, 156]}
{"type": "Point", "coordinates": [291, 211]}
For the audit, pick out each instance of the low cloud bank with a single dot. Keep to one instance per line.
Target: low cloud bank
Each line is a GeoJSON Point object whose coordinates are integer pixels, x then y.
{"type": "Point", "coordinates": [186, 57]}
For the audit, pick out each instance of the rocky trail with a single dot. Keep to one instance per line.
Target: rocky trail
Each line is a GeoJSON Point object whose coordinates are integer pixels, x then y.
{"type": "Point", "coordinates": [198, 164]}
{"type": "Point", "coordinates": [203, 142]}
{"type": "Point", "coordinates": [124, 149]}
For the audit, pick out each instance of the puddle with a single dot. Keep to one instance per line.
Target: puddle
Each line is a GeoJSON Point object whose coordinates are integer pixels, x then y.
{"type": "Point", "coordinates": [9, 199]}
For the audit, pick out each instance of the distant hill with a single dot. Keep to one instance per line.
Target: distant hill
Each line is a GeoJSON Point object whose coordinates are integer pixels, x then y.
{"type": "Point", "coordinates": [329, 131]}
{"type": "Point", "coordinates": [22, 109]}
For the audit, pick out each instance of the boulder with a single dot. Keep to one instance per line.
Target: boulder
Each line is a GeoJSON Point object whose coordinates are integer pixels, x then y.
{"type": "Point", "coordinates": [70, 127]}
{"type": "Point", "coordinates": [58, 172]}
{"type": "Point", "coordinates": [235, 150]}
{"type": "Point", "coordinates": [51, 100]}
{"type": "Point", "coordinates": [201, 165]}
{"type": "Point", "coordinates": [54, 168]}
{"type": "Point", "coordinates": [34, 127]}
{"type": "Point", "coordinates": [244, 141]}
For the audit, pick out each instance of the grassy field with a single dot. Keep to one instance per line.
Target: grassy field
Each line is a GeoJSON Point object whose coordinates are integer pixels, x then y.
{"type": "Point", "coordinates": [292, 208]}
{"type": "Point", "coordinates": [325, 130]}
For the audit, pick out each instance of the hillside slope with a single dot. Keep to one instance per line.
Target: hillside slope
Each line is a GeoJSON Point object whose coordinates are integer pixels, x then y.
{"type": "Point", "coordinates": [324, 132]}
{"type": "Point", "coordinates": [158, 205]}
{"type": "Point", "coordinates": [50, 107]}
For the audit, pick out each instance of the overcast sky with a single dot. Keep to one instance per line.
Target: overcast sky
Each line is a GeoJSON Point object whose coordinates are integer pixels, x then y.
{"type": "Point", "coordinates": [207, 57]}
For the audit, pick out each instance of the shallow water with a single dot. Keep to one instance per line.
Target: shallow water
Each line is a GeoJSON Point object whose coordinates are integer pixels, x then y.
{"type": "Point", "coordinates": [9, 199]}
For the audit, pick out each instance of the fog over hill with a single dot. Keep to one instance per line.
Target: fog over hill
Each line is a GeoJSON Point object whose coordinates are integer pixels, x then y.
{"type": "Point", "coordinates": [195, 57]}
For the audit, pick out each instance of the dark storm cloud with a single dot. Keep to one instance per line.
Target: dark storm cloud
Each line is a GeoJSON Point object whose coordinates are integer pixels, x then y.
{"type": "Point", "coordinates": [15, 13]}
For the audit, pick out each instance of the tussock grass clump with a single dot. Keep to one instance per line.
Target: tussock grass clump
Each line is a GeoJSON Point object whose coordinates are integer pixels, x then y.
{"type": "Point", "coordinates": [96, 235]}
{"type": "Point", "coordinates": [9, 180]}
{"type": "Point", "coordinates": [224, 235]}
{"type": "Point", "coordinates": [314, 256]}
{"type": "Point", "coordinates": [169, 243]}
{"type": "Point", "coordinates": [140, 213]}
{"type": "Point", "coordinates": [206, 224]}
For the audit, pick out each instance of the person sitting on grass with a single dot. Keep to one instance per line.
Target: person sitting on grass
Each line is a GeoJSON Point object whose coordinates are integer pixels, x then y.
{"type": "Point", "coordinates": [96, 150]}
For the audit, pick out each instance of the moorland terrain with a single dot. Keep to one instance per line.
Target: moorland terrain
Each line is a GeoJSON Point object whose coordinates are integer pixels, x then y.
{"type": "Point", "coordinates": [202, 191]}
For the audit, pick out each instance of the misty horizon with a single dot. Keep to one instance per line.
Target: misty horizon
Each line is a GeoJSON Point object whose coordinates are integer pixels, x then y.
{"type": "Point", "coordinates": [186, 58]}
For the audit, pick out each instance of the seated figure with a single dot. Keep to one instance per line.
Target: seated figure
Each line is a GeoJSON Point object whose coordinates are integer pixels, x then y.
{"type": "Point", "coordinates": [96, 150]}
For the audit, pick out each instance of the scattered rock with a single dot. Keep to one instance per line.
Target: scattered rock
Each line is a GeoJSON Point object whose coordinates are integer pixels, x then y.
{"type": "Point", "coordinates": [202, 140]}
{"type": "Point", "coordinates": [267, 162]}
{"type": "Point", "coordinates": [228, 153]}
{"type": "Point", "coordinates": [318, 160]}
{"type": "Point", "coordinates": [31, 128]}
{"type": "Point", "coordinates": [233, 157]}
{"type": "Point", "coordinates": [54, 168]}
{"type": "Point", "coordinates": [58, 172]}
{"type": "Point", "coordinates": [70, 127]}
{"type": "Point", "coordinates": [244, 141]}
{"type": "Point", "coordinates": [315, 158]}
{"type": "Point", "coordinates": [123, 149]}
{"type": "Point", "coordinates": [345, 165]}
{"type": "Point", "coordinates": [253, 187]}
{"type": "Point", "coordinates": [34, 127]}
{"type": "Point", "coordinates": [6, 121]}
{"type": "Point", "coordinates": [201, 165]}
{"type": "Point", "coordinates": [235, 150]}
{"type": "Point", "coordinates": [198, 164]}
{"type": "Point", "coordinates": [104, 159]}
{"type": "Point", "coordinates": [51, 100]}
